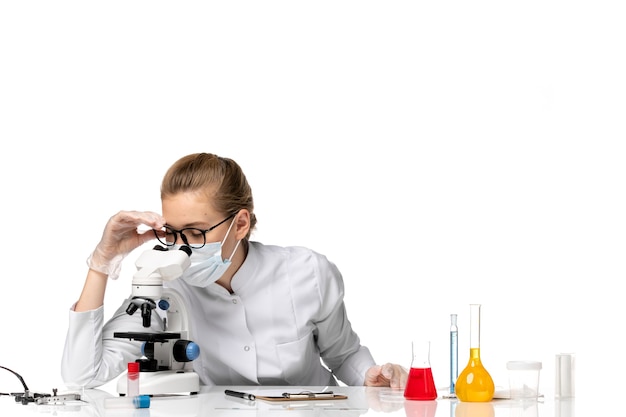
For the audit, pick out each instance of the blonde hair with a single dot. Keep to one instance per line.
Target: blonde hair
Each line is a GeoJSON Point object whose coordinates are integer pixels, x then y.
{"type": "Point", "coordinates": [221, 179]}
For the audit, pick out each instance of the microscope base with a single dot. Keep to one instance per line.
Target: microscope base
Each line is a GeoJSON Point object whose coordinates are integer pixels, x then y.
{"type": "Point", "coordinates": [163, 382]}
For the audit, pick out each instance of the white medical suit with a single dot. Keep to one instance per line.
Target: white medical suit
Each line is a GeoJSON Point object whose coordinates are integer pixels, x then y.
{"type": "Point", "coordinates": [286, 312]}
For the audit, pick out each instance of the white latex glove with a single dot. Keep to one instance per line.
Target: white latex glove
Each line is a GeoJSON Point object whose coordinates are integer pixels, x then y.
{"type": "Point", "coordinates": [120, 237]}
{"type": "Point", "coordinates": [387, 375]}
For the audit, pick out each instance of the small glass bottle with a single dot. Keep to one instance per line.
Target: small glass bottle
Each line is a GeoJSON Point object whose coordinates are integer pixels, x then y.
{"type": "Point", "coordinates": [420, 384]}
{"type": "Point", "coordinates": [474, 383]}
{"type": "Point", "coordinates": [132, 383]}
{"type": "Point", "coordinates": [454, 352]}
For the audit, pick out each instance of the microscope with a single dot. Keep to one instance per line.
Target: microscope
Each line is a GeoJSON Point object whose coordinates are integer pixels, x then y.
{"type": "Point", "coordinates": [165, 367]}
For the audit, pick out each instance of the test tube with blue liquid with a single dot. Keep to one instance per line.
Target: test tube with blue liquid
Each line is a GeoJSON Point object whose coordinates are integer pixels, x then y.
{"type": "Point", "coordinates": [454, 352]}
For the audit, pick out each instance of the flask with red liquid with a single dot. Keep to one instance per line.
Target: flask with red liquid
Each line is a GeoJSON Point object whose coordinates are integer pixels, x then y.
{"type": "Point", "coordinates": [420, 385]}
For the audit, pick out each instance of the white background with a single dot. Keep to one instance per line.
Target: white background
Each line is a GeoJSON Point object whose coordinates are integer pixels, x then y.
{"type": "Point", "coordinates": [440, 155]}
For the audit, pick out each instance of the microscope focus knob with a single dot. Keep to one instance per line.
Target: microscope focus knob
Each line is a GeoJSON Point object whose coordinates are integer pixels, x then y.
{"type": "Point", "coordinates": [185, 351]}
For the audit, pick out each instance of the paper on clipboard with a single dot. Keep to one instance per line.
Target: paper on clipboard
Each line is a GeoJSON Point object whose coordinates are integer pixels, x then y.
{"type": "Point", "coordinates": [301, 398]}
{"type": "Point", "coordinates": [297, 395]}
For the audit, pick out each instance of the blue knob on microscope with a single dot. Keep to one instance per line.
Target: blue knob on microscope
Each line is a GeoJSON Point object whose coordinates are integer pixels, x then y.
{"type": "Point", "coordinates": [193, 351]}
{"type": "Point", "coordinates": [186, 351]}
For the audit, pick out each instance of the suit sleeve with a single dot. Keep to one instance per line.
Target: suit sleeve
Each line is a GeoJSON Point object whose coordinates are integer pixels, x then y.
{"type": "Point", "coordinates": [92, 356]}
{"type": "Point", "coordinates": [340, 346]}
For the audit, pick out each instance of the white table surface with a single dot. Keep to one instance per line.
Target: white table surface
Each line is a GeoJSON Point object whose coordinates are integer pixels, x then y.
{"type": "Point", "coordinates": [211, 401]}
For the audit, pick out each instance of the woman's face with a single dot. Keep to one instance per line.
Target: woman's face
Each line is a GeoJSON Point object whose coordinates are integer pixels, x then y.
{"type": "Point", "coordinates": [190, 209]}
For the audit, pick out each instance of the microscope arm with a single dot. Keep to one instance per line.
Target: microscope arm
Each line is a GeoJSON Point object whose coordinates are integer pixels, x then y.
{"type": "Point", "coordinates": [153, 267]}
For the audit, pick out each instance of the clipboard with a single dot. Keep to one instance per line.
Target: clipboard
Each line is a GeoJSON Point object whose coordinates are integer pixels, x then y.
{"type": "Point", "coordinates": [289, 396]}
{"type": "Point", "coordinates": [303, 396]}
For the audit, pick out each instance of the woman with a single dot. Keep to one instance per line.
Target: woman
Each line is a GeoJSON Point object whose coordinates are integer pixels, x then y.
{"type": "Point", "coordinates": [263, 315]}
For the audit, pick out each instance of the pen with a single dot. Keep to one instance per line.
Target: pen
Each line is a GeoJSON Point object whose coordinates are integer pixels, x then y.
{"type": "Point", "coordinates": [306, 394]}
{"type": "Point", "coordinates": [238, 394]}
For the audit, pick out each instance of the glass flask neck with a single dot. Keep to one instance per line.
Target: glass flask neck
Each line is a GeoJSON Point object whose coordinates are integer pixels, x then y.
{"type": "Point", "coordinates": [421, 354]}
{"type": "Point", "coordinates": [474, 326]}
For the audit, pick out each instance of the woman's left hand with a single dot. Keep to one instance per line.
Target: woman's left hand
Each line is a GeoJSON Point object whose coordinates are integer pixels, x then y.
{"type": "Point", "coordinates": [387, 375]}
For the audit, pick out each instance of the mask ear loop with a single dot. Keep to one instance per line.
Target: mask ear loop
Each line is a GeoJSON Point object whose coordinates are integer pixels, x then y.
{"type": "Point", "coordinates": [233, 253]}
{"type": "Point", "coordinates": [224, 240]}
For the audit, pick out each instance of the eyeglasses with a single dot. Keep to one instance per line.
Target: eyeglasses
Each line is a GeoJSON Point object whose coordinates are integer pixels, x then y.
{"type": "Point", "coordinates": [191, 236]}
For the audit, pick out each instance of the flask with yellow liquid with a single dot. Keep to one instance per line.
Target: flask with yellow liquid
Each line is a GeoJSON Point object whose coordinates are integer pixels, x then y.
{"type": "Point", "coordinates": [474, 383]}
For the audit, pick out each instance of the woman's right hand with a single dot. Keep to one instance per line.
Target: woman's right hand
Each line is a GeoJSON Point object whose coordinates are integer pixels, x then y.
{"type": "Point", "coordinates": [120, 237]}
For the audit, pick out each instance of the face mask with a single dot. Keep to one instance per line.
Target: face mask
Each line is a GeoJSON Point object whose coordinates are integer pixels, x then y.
{"type": "Point", "coordinates": [207, 265]}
